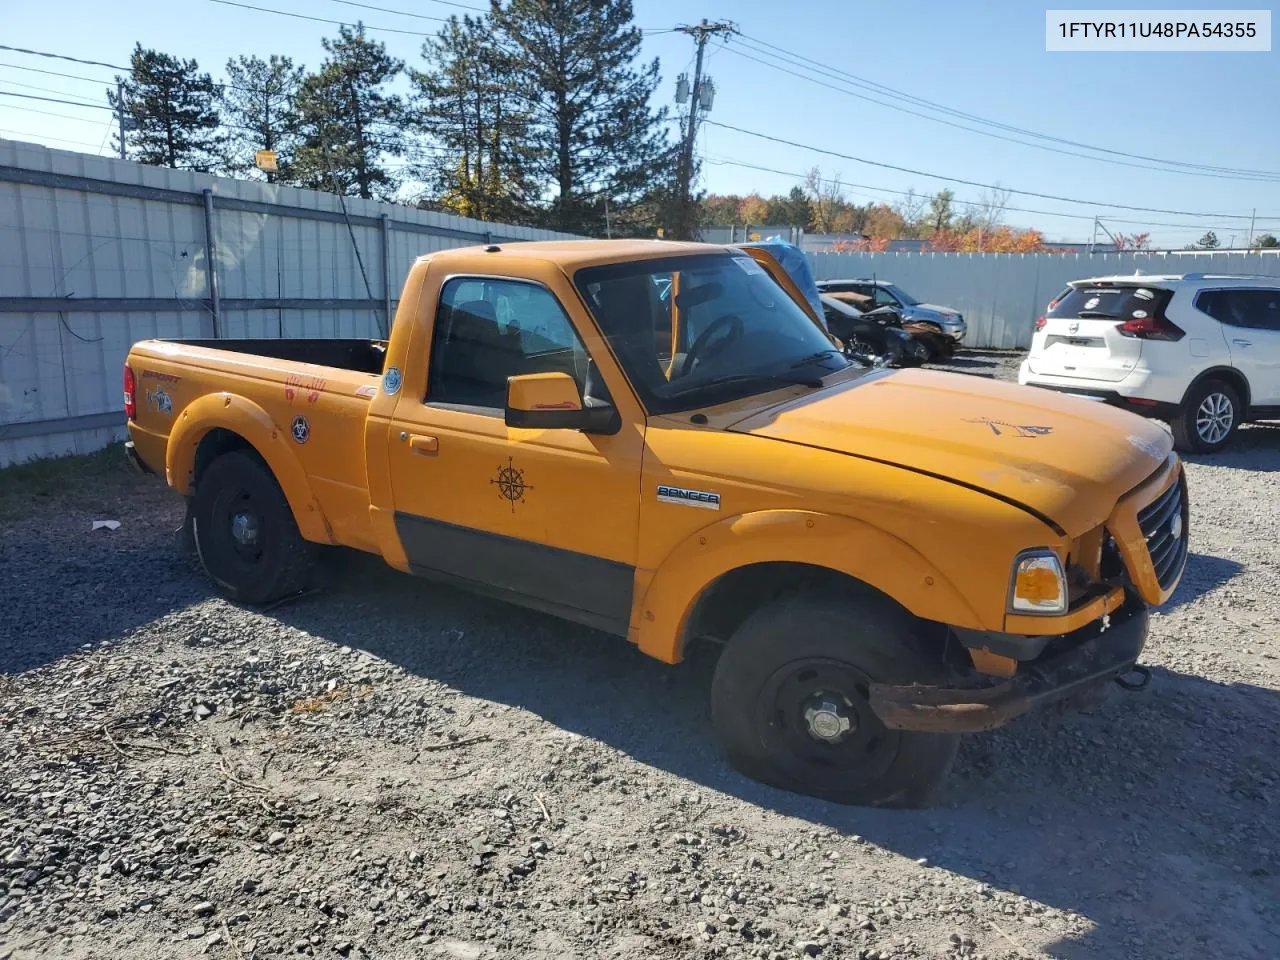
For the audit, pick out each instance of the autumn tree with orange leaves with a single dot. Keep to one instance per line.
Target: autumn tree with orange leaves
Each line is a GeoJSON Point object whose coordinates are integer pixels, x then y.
{"type": "Point", "coordinates": [1002, 239]}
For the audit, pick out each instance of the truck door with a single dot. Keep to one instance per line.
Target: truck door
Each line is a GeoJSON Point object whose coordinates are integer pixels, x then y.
{"type": "Point", "coordinates": [546, 518]}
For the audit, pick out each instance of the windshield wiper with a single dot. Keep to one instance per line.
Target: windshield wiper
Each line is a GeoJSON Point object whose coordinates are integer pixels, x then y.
{"type": "Point", "coordinates": [777, 379]}
{"type": "Point", "coordinates": [815, 357]}
{"type": "Point", "coordinates": [1096, 315]}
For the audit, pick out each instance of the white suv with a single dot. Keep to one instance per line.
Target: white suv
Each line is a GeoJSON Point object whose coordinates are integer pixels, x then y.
{"type": "Point", "coordinates": [1200, 351]}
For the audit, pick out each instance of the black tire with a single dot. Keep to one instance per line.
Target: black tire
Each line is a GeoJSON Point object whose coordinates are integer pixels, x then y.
{"type": "Point", "coordinates": [795, 656]}
{"type": "Point", "coordinates": [268, 560]}
{"type": "Point", "coordinates": [1200, 426]}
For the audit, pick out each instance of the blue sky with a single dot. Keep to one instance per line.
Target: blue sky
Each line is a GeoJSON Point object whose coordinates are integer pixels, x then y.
{"type": "Point", "coordinates": [987, 59]}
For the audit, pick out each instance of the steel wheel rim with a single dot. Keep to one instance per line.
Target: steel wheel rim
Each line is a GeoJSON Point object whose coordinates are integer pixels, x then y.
{"type": "Point", "coordinates": [239, 523]}
{"type": "Point", "coordinates": [1214, 418]}
{"type": "Point", "coordinates": [864, 752]}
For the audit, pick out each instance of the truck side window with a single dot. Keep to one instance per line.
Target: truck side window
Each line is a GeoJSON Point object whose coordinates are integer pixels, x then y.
{"type": "Point", "coordinates": [488, 332]}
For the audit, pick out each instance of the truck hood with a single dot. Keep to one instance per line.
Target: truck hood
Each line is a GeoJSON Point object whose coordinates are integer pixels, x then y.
{"type": "Point", "coordinates": [1064, 458]}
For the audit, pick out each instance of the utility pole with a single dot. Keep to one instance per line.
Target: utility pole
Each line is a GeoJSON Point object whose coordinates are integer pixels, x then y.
{"type": "Point", "coordinates": [120, 114]}
{"type": "Point", "coordinates": [1252, 219]}
{"type": "Point", "coordinates": [701, 95]}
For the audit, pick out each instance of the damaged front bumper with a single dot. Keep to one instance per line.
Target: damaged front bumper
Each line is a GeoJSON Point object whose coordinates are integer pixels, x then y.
{"type": "Point", "coordinates": [1071, 664]}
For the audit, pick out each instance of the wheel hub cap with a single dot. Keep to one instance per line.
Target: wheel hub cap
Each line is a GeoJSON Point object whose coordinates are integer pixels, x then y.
{"type": "Point", "coordinates": [828, 718]}
{"type": "Point", "coordinates": [1214, 417]}
{"type": "Point", "coordinates": [244, 529]}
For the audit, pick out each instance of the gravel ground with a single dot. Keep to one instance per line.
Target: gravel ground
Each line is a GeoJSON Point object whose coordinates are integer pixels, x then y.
{"type": "Point", "coordinates": [393, 769]}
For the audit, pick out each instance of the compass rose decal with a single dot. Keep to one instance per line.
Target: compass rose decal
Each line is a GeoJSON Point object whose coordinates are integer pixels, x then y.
{"type": "Point", "coordinates": [510, 483]}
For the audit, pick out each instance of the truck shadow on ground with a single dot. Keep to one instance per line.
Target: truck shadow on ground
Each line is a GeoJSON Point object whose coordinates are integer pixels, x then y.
{"type": "Point", "coordinates": [1152, 814]}
{"type": "Point", "coordinates": [58, 594]}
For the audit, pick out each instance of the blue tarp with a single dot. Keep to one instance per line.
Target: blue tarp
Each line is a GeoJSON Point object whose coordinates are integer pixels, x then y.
{"type": "Point", "coordinates": [792, 259]}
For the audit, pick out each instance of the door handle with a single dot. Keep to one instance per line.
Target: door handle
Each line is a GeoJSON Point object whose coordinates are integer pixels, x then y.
{"type": "Point", "coordinates": [420, 443]}
{"type": "Point", "coordinates": [1242, 343]}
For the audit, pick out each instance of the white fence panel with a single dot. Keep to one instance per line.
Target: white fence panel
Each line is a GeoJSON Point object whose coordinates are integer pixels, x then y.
{"type": "Point", "coordinates": [96, 254]}
{"type": "Point", "coordinates": [1002, 294]}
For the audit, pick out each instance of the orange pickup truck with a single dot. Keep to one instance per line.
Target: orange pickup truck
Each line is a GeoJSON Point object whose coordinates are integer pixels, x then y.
{"type": "Point", "coordinates": [660, 440]}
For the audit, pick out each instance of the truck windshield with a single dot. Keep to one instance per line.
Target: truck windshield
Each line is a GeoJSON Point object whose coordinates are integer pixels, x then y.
{"type": "Point", "coordinates": [702, 329]}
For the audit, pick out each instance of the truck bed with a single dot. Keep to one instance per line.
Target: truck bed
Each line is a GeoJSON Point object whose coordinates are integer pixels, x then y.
{"type": "Point", "coordinates": [361, 356]}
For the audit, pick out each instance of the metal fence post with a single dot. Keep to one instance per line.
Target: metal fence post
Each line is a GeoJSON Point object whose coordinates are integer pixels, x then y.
{"type": "Point", "coordinates": [211, 265]}
{"type": "Point", "coordinates": [386, 274]}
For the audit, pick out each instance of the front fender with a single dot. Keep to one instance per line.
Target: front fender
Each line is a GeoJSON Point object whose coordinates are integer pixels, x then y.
{"type": "Point", "coordinates": [839, 543]}
{"type": "Point", "coordinates": [242, 416]}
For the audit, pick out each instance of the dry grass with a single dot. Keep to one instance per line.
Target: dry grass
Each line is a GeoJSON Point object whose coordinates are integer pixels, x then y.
{"type": "Point", "coordinates": [89, 481]}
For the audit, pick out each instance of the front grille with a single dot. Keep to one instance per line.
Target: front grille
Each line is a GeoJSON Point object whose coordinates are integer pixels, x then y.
{"type": "Point", "coordinates": [1164, 525]}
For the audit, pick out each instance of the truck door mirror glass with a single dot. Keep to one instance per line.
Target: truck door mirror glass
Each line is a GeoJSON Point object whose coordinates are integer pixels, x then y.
{"type": "Point", "coordinates": [551, 401]}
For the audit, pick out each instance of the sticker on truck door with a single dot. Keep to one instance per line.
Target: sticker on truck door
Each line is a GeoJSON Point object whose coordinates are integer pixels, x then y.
{"type": "Point", "coordinates": [391, 381]}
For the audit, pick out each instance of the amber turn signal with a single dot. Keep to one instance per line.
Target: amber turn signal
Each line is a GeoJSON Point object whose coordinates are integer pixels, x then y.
{"type": "Point", "coordinates": [1038, 584]}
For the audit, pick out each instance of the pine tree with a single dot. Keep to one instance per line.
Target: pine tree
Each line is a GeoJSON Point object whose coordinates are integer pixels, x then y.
{"type": "Point", "coordinates": [941, 212]}
{"type": "Point", "coordinates": [795, 209]}
{"type": "Point", "coordinates": [592, 133]}
{"type": "Point", "coordinates": [1208, 242]}
{"type": "Point", "coordinates": [467, 106]}
{"type": "Point", "coordinates": [259, 104]}
{"type": "Point", "coordinates": [171, 109]}
{"type": "Point", "coordinates": [350, 125]}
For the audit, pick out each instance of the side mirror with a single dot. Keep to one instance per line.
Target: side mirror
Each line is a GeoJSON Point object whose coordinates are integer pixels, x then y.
{"type": "Point", "coordinates": [551, 401]}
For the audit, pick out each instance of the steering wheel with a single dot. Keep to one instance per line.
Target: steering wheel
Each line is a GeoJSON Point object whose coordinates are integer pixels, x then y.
{"type": "Point", "coordinates": [730, 320]}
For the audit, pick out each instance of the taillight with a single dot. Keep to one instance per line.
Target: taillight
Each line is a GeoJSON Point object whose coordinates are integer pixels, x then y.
{"type": "Point", "coordinates": [130, 404]}
{"type": "Point", "coordinates": [1040, 323]}
{"type": "Point", "coordinates": [1151, 328]}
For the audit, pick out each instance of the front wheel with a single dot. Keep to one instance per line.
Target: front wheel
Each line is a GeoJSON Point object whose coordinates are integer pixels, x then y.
{"type": "Point", "coordinates": [790, 702]}
{"type": "Point", "coordinates": [1208, 419]}
{"type": "Point", "coordinates": [245, 534]}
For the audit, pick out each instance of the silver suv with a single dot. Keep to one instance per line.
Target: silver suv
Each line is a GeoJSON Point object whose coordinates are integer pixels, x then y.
{"type": "Point", "coordinates": [950, 323]}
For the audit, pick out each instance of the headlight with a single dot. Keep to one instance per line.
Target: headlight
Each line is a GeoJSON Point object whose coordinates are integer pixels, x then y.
{"type": "Point", "coordinates": [1038, 585]}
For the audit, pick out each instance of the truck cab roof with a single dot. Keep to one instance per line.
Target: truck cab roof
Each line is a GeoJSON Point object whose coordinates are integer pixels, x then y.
{"type": "Point", "coordinates": [571, 255]}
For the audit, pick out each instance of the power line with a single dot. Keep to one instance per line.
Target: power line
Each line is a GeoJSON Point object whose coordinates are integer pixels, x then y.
{"type": "Point", "coordinates": [28, 133]}
{"type": "Point", "coordinates": [50, 113]}
{"type": "Point", "coordinates": [722, 161]}
{"type": "Point", "coordinates": [52, 73]}
{"type": "Point", "coordinates": [460, 6]}
{"type": "Point", "coordinates": [60, 56]}
{"type": "Point", "coordinates": [1263, 178]}
{"type": "Point", "coordinates": [406, 13]}
{"type": "Point", "coordinates": [73, 103]}
{"type": "Point", "coordinates": [340, 23]}
{"type": "Point", "coordinates": [844, 76]}
{"type": "Point", "coordinates": [974, 183]}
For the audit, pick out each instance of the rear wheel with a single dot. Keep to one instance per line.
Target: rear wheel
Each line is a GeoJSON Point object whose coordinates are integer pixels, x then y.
{"type": "Point", "coordinates": [245, 534]}
{"type": "Point", "coordinates": [1209, 418]}
{"type": "Point", "coordinates": [790, 702]}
